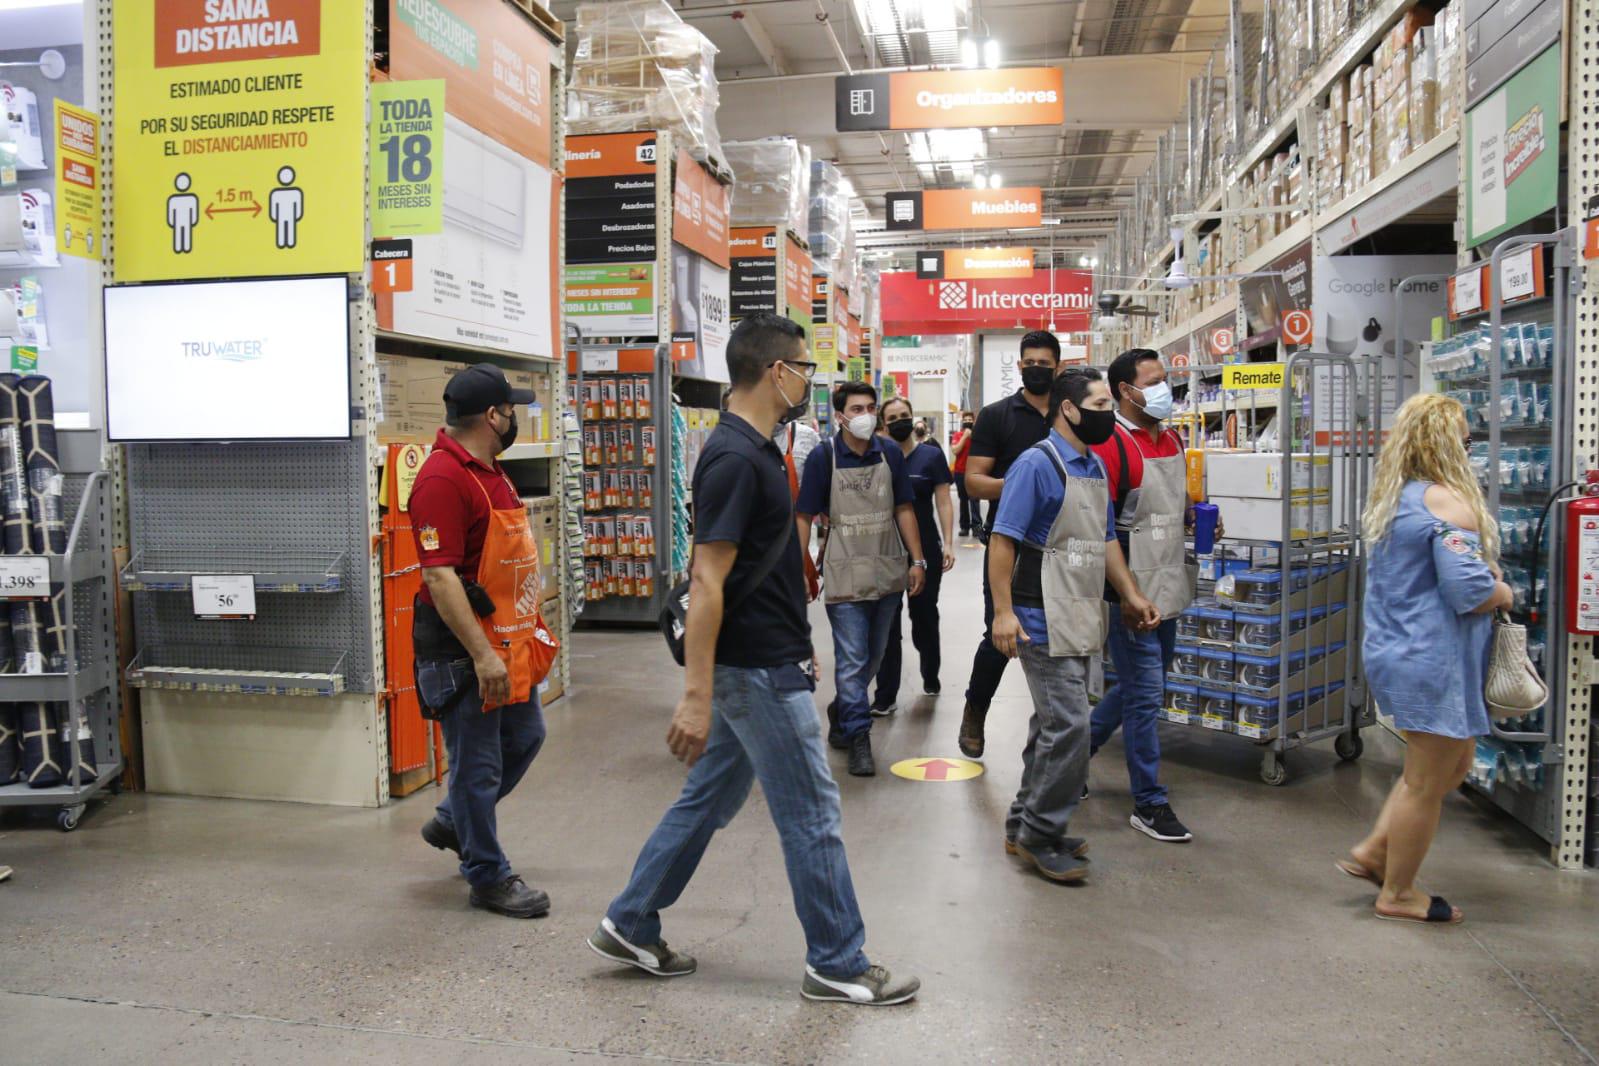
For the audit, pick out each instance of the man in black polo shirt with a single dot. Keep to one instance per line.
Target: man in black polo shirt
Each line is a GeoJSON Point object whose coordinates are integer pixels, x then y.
{"type": "Point", "coordinates": [1005, 429]}
{"type": "Point", "coordinates": [747, 711]}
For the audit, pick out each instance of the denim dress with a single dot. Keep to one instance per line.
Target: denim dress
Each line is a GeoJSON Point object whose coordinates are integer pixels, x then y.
{"type": "Point", "coordinates": [1426, 654]}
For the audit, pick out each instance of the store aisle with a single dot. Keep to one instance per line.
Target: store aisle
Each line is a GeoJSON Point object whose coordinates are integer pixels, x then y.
{"type": "Point", "coordinates": [199, 931]}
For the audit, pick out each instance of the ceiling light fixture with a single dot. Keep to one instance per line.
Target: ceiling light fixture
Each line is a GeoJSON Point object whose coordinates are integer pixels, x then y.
{"type": "Point", "coordinates": [991, 53]}
{"type": "Point", "coordinates": [995, 181]}
{"type": "Point", "coordinates": [969, 52]}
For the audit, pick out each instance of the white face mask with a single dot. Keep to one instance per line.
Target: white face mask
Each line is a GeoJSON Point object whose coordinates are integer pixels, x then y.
{"type": "Point", "coordinates": [861, 427]}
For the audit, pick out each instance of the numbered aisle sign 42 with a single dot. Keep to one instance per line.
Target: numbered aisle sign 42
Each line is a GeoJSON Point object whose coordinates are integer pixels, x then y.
{"type": "Point", "coordinates": [24, 577]}
{"type": "Point", "coordinates": [223, 596]}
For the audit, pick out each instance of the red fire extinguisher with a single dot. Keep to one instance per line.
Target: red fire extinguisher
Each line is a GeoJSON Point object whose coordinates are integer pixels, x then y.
{"type": "Point", "coordinates": [1582, 558]}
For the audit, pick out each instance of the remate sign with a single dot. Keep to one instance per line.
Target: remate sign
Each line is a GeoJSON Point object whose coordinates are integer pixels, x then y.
{"type": "Point", "coordinates": [913, 305]}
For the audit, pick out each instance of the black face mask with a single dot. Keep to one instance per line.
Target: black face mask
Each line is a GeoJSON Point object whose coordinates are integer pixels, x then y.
{"type": "Point", "coordinates": [1093, 427]}
{"type": "Point", "coordinates": [508, 434]}
{"type": "Point", "coordinates": [967, 425]}
{"type": "Point", "coordinates": [900, 429]}
{"type": "Point", "coordinates": [1037, 379]}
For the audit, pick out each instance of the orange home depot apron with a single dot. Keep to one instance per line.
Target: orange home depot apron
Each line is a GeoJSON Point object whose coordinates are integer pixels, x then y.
{"type": "Point", "coordinates": [509, 572]}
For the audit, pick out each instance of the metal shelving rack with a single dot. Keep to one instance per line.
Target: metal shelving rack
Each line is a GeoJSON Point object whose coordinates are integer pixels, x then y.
{"type": "Point", "coordinates": [90, 686]}
{"type": "Point", "coordinates": [1579, 793]}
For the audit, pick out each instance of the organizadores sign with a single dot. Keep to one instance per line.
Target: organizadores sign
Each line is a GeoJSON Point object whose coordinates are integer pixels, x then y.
{"type": "Point", "coordinates": [917, 305]}
{"type": "Point", "coordinates": [947, 99]}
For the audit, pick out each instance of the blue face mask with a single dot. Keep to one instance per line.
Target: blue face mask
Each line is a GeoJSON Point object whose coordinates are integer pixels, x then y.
{"type": "Point", "coordinates": [1158, 401]}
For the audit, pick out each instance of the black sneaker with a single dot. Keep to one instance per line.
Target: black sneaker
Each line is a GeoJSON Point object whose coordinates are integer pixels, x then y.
{"type": "Point", "coordinates": [874, 988]}
{"type": "Point", "coordinates": [657, 958]}
{"type": "Point", "coordinates": [1076, 845]}
{"type": "Point", "coordinates": [971, 735]}
{"type": "Point", "coordinates": [931, 688]}
{"type": "Point", "coordinates": [882, 709]}
{"type": "Point", "coordinates": [1084, 796]}
{"type": "Point", "coordinates": [441, 836]}
{"type": "Point", "coordinates": [1054, 861]}
{"type": "Point", "coordinates": [838, 741]}
{"type": "Point", "coordinates": [512, 898]}
{"type": "Point", "coordinates": [860, 756]}
{"type": "Point", "coordinates": [1160, 823]}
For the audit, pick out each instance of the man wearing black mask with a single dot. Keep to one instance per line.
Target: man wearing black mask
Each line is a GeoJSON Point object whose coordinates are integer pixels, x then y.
{"type": "Point", "coordinates": [1004, 430]}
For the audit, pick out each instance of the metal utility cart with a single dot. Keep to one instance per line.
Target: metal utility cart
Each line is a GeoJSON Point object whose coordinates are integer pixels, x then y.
{"type": "Point", "coordinates": [88, 688]}
{"type": "Point", "coordinates": [1276, 657]}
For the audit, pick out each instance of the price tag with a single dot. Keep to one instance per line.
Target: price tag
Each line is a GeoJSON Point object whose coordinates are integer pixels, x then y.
{"type": "Point", "coordinates": [1466, 292]}
{"type": "Point", "coordinates": [223, 596]}
{"type": "Point", "coordinates": [24, 577]}
{"type": "Point", "coordinates": [1520, 277]}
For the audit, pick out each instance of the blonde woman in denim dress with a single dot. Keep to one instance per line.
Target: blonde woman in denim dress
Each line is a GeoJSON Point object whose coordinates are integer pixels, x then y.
{"type": "Point", "coordinates": [1432, 585]}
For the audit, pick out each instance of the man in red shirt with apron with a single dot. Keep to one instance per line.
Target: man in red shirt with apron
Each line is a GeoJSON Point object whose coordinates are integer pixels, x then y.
{"type": "Point", "coordinates": [481, 645]}
{"type": "Point", "coordinates": [1148, 478]}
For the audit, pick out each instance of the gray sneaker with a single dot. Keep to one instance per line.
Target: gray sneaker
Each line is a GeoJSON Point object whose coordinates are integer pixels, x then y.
{"type": "Point", "coordinates": [657, 959]}
{"type": "Point", "coordinates": [874, 988]}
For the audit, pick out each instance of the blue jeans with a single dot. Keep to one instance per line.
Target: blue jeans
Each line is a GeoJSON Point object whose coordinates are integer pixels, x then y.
{"type": "Point", "coordinates": [489, 753]}
{"type": "Point", "coordinates": [1133, 703]}
{"type": "Point", "coordinates": [764, 725]}
{"type": "Point", "coordinates": [860, 636]}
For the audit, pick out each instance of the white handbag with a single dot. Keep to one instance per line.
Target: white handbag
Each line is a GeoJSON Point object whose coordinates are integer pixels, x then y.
{"type": "Point", "coordinates": [1513, 688]}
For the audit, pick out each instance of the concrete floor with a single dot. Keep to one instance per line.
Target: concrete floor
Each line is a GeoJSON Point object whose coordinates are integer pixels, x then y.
{"type": "Point", "coordinates": [188, 931]}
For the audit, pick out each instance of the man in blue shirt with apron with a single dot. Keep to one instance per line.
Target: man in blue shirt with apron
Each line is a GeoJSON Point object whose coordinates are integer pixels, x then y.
{"type": "Point", "coordinates": [1051, 549]}
{"type": "Point", "coordinates": [862, 487]}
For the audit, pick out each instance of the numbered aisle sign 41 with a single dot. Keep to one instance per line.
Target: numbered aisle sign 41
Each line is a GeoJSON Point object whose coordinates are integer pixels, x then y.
{"type": "Point", "coordinates": [223, 596]}
{"type": "Point", "coordinates": [24, 577]}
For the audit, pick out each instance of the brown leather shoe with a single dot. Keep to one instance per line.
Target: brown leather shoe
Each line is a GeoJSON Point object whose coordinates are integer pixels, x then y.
{"type": "Point", "coordinates": [971, 738]}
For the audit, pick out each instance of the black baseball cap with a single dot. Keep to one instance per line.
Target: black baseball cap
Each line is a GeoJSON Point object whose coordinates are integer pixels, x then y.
{"type": "Point", "coordinates": [478, 388]}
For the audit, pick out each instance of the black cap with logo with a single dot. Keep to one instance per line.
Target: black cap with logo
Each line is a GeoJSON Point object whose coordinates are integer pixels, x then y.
{"type": "Point", "coordinates": [478, 388]}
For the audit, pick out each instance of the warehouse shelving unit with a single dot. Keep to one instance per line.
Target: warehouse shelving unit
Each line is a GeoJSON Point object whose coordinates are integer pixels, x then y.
{"type": "Point", "coordinates": [88, 687]}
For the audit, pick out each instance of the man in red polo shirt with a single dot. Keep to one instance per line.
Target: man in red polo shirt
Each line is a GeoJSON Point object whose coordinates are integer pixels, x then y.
{"type": "Point", "coordinates": [1147, 474]}
{"type": "Point", "coordinates": [458, 672]}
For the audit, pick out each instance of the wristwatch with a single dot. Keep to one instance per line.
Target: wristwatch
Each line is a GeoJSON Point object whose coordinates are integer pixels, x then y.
{"type": "Point", "coordinates": [919, 562]}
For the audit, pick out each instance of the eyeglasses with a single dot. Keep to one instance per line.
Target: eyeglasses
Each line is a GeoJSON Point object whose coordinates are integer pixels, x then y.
{"type": "Point", "coordinates": [806, 370]}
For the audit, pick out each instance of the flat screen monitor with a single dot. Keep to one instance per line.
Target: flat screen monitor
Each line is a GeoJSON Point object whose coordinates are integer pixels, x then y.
{"type": "Point", "coordinates": [259, 359]}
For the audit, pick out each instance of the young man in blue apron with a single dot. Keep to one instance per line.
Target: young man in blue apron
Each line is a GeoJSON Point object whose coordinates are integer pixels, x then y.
{"type": "Point", "coordinates": [1148, 475]}
{"type": "Point", "coordinates": [1052, 547]}
{"type": "Point", "coordinates": [863, 489]}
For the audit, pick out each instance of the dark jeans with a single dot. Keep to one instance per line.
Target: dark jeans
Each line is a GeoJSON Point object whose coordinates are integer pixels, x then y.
{"type": "Point", "coordinates": [988, 665]}
{"type": "Point", "coordinates": [924, 635]}
{"type": "Point", "coordinates": [1134, 702]}
{"type": "Point", "coordinates": [860, 635]}
{"type": "Point", "coordinates": [489, 753]}
{"type": "Point", "coordinates": [969, 513]}
{"type": "Point", "coordinates": [764, 727]}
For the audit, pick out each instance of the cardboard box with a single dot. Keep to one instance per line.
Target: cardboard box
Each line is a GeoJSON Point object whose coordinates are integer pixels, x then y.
{"type": "Point", "coordinates": [412, 392]}
{"type": "Point", "coordinates": [1258, 475]}
{"type": "Point", "coordinates": [543, 412]}
{"type": "Point", "coordinates": [544, 515]}
{"type": "Point", "coordinates": [1253, 518]}
{"type": "Point", "coordinates": [551, 688]}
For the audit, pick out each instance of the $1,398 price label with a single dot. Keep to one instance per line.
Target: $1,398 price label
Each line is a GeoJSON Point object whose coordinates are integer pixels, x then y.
{"type": "Point", "coordinates": [24, 578]}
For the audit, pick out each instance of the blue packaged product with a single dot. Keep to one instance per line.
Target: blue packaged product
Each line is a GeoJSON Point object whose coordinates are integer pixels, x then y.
{"type": "Point", "coordinates": [1216, 665]}
{"type": "Point", "coordinates": [1186, 661]}
{"type": "Point", "coordinates": [1182, 698]}
{"type": "Point", "coordinates": [1266, 671]}
{"type": "Point", "coordinates": [1215, 623]}
{"type": "Point", "coordinates": [1189, 624]}
{"type": "Point", "coordinates": [1216, 706]}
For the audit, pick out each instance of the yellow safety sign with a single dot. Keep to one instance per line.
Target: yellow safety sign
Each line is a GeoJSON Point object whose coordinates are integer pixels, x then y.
{"type": "Point", "coordinates": [239, 132]}
{"type": "Point", "coordinates": [937, 769]}
{"type": "Point", "coordinates": [1252, 376]}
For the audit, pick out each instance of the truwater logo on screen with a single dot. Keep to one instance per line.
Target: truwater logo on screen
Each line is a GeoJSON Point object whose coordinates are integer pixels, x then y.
{"type": "Point", "coordinates": [241, 350]}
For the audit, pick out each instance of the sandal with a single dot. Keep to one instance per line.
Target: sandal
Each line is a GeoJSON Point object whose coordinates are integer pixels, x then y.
{"type": "Point", "coordinates": [1439, 912]}
{"type": "Point", "coordinates": [1359, 872]}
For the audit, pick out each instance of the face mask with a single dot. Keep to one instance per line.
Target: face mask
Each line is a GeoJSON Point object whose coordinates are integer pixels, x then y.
{"type": "Point", "coordinates": [900, 429]}
{"type": "Point", "coordinates": [861, 426]}
{"type": "Point", "coordinates": [508, 434]}
{"type": "Point", "coordinates": [1093, 427]}
{"type": "Point", "coordinates": [1037, 379]}
{"type": "Point", "coordinates": [796, 411]}
{"type": "Point", "coordinates": [967, 425]}
{"type": "Point", "coordinates": [1158, 401]}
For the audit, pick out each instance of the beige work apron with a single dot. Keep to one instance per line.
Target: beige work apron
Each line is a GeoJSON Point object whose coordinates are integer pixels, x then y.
{"type": "Point", "coordinates": [1073, 570]}
{"type": "Point", "coordinates": [865, 556]}
{"type": "Point", "coordinates": [1157, 552]}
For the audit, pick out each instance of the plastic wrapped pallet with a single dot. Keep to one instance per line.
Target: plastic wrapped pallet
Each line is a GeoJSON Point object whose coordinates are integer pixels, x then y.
{"type": "Point", "coordinates": [772, 182]}
{"type": "Point", "coordinates": [639, 66]}
{"type": "Point", "coordinates": [829, 218]}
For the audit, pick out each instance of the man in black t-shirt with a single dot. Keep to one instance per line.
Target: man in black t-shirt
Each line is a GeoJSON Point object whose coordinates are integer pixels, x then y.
{"type": "Point", "coordinates": [747, 710]}
{"type": "Point", "coordinates": [1005, 429]}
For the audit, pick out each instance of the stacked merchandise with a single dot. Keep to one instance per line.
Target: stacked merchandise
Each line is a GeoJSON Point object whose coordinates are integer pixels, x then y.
{"type": "Point", "coordinates": [638, 66]}
{"type": "Point", "coordinates": [773, 187]}
{"type": "Point", "coordinates": [1388, 108]}
{"type": "Point", "coordinates": [830, 224]}
{"type": "Point", "coordinates": [680, 491]}
{"type": "Point", "coordinates": [36, 635]}
{"type": "Point", "coordinates": [618, 485]}
{"type": "Point", "coordinates": [1275, 182]}
{"type": "Point", "coordinates": [572, 484]}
